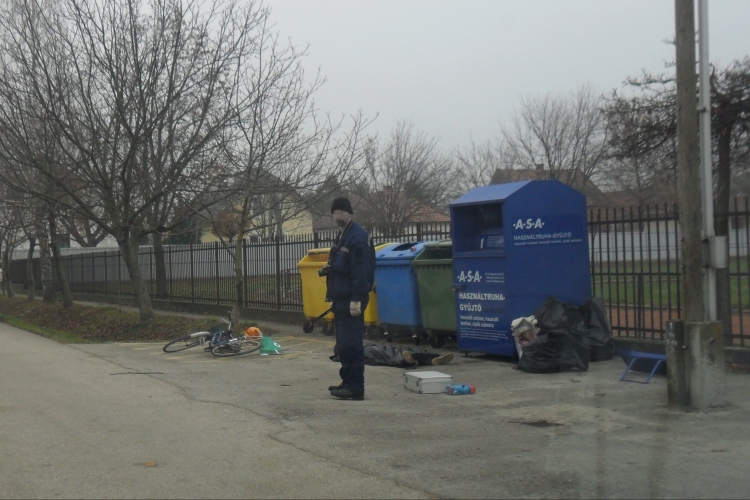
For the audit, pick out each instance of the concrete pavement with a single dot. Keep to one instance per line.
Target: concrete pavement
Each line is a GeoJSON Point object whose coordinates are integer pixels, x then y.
{"type": "Point", "coordinates": [126, 420]}
{"type": "Point", "coordinates": [75, 425]}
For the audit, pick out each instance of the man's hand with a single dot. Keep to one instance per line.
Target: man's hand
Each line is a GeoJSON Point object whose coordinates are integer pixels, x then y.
{"type": "Point", "coordinates": [355, 308]}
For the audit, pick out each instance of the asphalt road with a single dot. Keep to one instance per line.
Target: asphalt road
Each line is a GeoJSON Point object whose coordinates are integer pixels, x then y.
{"type": "Point", "coordinates": [125, 420]}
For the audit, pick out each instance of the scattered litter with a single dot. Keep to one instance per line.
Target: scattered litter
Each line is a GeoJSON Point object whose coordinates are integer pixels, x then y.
{"type": "Point", "coordinates": [643, 362]}
{"type": "Point", "coordinates": [268, 346]}
{"type": "Point", "coordinates": [253, 332]}
{"type": "Point", "coordinates": [460, 390]}
{"type": "Point", "coordinates": [524, 331]}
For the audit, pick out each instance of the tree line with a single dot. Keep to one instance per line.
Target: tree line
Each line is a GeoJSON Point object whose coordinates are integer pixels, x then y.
{"type": "Point", "coordinates": [143, 120]}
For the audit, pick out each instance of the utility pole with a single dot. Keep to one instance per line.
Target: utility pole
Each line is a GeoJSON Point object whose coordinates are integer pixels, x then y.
{"type": "Point", "coordinates": [694, 344]}
{"type": "Point", "coordinates": [688, 164]}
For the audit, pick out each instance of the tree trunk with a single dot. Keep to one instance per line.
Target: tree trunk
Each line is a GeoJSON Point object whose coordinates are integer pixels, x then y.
{"type": "Point", "coordinates": [161, 268]}
{"type": "Point", "coordinates": [239, 283]}
{"type": "Point", "coordinates": [58, 265]}
{"type": "Point", "coordinates": [723, 297]}
{"type": "Point", "coordinates": [30, 281]}
{"type": "Point", "coordinates": [129, 249]}
{"type": "Point", "coordinates": [7, 283]}
{"type": "Point", "coordinates": [48, 283]}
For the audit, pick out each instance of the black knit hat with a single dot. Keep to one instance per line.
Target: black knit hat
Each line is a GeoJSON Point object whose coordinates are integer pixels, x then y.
{"type": "Point", "coordinates": [342, 204]}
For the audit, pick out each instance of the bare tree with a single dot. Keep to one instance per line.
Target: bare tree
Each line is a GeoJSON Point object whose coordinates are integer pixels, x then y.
{"type": "Point", "coordinates": [38, 221]}
{"type": "Point", "coordinates": [137, 97]}
{"type": "Point", "coordinates": [642, 145]}
{"type": "Point", "coordinates": [30, 279]}
{"type": "Point", "coordinates": [406, 178]}
{"type": "Point", "coordinates": [282, 151]}
{"type": "Point", "coordinates": [477, 164]}
{"type": "Point", "coordinates": [644, 125]}
{"type": "Point", "coordinates": [81, 230]}
{"type": "Point", "coordinates": [12, 224]}
{"type": "Point", "coordinates": [561, 137]}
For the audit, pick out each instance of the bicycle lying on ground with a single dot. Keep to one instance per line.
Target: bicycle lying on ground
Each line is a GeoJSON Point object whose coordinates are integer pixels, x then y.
{"type": "Point", "coordinates": [219, 339]}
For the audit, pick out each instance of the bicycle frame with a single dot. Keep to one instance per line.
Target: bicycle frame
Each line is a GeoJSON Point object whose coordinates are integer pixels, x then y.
{"type": "Point", "coordinates": [215, 339]}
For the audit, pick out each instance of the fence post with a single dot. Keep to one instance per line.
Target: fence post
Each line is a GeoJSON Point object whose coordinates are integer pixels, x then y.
{"type": "Point", "coordinates": [216, 258]}
{"type": "Point", "coordinates": [70, 270]}
{"type": "Point", "coordinates": [640, 308]}
{"type": "Point", "coordinates": [106, 280]}
{"type": "Point", "coordinates": [192, 274]}
{"type": "Point", "coordinates": [151, 270]}
{"type": "Point", "coordinates": [245, 295]}
{"type": "Point", "coordinates": [171, 289]}
{"type": "Point", "coordinates": [316, 239]}
{"type": "Point", "coordinates": [419, 231]}
{"type": "Point", "coordinates": [119, 276]}
{"type": "Point", "coordinates": [278, 271]}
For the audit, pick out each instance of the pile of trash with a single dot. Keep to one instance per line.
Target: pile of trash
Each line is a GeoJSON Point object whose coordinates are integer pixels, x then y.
{"type": "Point", "coordinates": [561, 336]}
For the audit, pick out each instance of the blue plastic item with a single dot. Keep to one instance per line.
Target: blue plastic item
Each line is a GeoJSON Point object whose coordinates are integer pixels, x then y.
{"type": "Point", "coordinates": [644, 362]}
{"type": "Point", "coordinates": [460, 390]}
{"type": "Point", "coordinates": [398, 294]}
{"type": "Point", "coordinates": [514, 245]}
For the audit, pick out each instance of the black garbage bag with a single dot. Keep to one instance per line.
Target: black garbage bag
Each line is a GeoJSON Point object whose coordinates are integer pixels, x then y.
{"type": "Point", "coordinates": [554, 351]}
{"type": "Point", "coordinates": [598, 330]}
{"type": "Point", "coordinates": [556, 315]}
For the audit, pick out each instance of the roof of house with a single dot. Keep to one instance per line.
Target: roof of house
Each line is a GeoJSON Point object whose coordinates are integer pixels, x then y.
{"type": "Point", "coordinates": [658, 194]}
{"type": "Point", "coordinates": [425, 215]}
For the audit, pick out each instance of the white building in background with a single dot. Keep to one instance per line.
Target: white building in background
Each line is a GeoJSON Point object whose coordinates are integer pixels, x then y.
{"type": "Point", "coordinates": [108, 243]}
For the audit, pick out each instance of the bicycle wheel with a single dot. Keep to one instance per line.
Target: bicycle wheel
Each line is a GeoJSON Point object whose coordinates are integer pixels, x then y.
{"type": "Point", "coordinates": [236, 347]}
{"type": "Point", "coordinates": [185, 342]}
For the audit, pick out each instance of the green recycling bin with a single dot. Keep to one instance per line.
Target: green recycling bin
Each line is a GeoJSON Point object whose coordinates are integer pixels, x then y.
{"type": "Point", "coordinates": [434, 270]}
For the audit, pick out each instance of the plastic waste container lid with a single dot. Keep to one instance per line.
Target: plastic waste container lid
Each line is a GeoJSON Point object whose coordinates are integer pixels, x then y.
{"type": "Point", "coordinates": [439, 243]}
{"type": "Point", "coordinates": [404, 251]}
{"type": "Point", "coordinates": [316, 251]}
{"type": "Point", "coordinates": [442, 249]}
{"type": "Point", "coordinates": [316, 257]}
{"type": "Point", "coordinates": [384, 246]}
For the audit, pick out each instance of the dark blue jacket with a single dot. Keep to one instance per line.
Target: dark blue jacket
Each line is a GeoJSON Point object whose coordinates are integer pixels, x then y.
{"type": "Point", "coordinates": [352, 262]}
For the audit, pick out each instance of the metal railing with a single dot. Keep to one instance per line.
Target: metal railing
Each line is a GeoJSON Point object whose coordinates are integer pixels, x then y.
{"type": "Point", "coordinates": [634, 254]}
{"type": "Point", "coordinates": [204, 273]}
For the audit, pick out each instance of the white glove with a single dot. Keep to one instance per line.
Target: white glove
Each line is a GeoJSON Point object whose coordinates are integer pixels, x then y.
{"type": "Point", "coordinates": [355, 308]}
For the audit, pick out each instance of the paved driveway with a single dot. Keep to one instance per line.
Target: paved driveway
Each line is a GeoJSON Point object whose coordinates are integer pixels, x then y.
{"type": "Point", "coordinates": [127, 420]}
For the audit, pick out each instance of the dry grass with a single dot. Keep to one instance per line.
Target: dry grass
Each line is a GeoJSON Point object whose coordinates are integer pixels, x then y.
{"type": "Point", "coordinates": [81, 324]}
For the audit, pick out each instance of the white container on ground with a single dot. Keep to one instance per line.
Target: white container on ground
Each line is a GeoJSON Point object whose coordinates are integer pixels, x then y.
{"type": "Point", "coordinates": [427, 382]}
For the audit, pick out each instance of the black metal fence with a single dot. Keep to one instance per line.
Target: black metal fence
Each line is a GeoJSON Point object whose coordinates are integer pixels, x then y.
{"type": "Point", "coordinates": [636, 270]}
{"type": "Point", "coordinates": [204, 273]}
{"type": "Point", "coordinates": [634, 253]}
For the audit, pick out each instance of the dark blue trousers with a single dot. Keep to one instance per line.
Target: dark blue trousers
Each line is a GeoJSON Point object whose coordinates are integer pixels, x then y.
{"type": "Point", "coordinates": [349, 345]}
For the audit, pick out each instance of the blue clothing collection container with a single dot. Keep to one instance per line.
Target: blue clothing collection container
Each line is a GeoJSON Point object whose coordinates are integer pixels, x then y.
{"type": "Point", "coordinates": [513, 246]}
{"type": "Point", "coordinates": [397, 291]}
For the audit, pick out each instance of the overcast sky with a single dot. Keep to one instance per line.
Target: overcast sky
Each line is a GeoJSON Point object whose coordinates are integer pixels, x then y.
{"type": "Point", "coordinates": [457, 69]}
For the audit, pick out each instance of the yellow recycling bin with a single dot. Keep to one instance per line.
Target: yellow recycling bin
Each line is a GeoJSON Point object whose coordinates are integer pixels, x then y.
{"type": "Point", "coordinates": [314, 292]}
{"type": "Point", "coordinates": [314, 289]}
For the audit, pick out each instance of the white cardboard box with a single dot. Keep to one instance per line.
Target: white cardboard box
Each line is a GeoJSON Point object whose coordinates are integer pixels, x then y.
{"type": "Point", "coordinates": [427, 382]}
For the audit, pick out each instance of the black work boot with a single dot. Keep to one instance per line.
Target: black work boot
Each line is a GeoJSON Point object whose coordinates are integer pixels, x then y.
{"type": "Point", "coordinates": [335, 387]}
{"type": "Point", "coordinates": [348, 394]}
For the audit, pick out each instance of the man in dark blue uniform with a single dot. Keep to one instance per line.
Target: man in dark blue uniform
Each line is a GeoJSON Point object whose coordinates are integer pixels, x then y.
{"type": "Point", "coordinates": [351, 272]}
